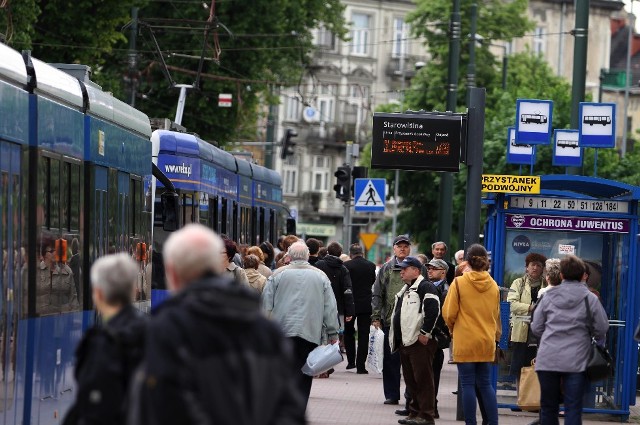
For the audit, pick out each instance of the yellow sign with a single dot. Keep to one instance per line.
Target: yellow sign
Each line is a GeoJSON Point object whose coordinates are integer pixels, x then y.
{"type": "Point", "coordinates": [368, 239]}
{"type": "Point", "coordinates": [510, 184]}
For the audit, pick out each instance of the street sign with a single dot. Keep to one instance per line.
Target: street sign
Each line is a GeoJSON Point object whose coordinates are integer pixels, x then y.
{"type": "Point", "coordinates": [510, 184]}
{"type": "Point", "coordinates": [597, 125]}
{"type": "Point", "coordinates": [368, 239]}
{"type": "Point", "coordinates": [420, 141]}
{"type": "Point", "coordinates": [369, 195]}
{"type": "Point", "coordinates": [224, 100]}
{"type": "Point", "coordinates": [519, 154]}
{"type": "Point", "coordinates": [533, 121]}
{"type": "Point", "coordinates": [566, 148]}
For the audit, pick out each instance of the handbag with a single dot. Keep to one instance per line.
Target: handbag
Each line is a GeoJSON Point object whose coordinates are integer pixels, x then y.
{"type": "Point", "coordinates": [600, 364]}
{"type": "Point", "coordinates": [529, 389]}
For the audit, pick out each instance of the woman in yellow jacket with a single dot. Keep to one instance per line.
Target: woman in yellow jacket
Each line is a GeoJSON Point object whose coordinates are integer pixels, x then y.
{"type": "Point", "coordinates": [472, 313]}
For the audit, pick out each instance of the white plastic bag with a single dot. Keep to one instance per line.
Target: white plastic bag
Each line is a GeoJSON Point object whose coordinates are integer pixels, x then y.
{"type": "Point", "coordinates": [376, 350]}
{"type": "Point", "coordinates": [321, 359]}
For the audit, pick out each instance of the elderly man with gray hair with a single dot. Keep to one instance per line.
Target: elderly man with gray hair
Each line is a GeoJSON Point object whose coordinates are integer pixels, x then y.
{"type": "Point", "coordinates": [209, 347]}
{"type": "Point", "coordinates": [303, 305]}
{"type": "Point", "coordinates": [110, 351]}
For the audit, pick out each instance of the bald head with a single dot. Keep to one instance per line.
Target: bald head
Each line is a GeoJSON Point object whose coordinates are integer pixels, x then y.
{"type": "Point", "coordinates": [190, 253]}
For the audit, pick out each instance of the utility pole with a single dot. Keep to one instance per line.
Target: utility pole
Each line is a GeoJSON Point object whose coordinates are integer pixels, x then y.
{"type": "Point", "coordinates": [446, 179]}
{"type": "Point", "coordinates": [625, 131]}
{"type": "Point", "coordinates": [581, 35]}
{"type": "Point", "coordinates": [471, 67]}
{"type": "Point", "coordinates": [396, 181]}
{"type": "Point", "coordinates": [271, 132]}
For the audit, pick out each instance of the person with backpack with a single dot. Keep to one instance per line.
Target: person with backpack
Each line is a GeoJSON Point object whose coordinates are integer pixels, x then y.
{"type": "Point", "coordinates": [340, 279]}
{"type": "Point", "coordinates": [109, 352]}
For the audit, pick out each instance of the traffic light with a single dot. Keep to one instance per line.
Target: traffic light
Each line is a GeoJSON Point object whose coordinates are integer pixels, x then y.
{"type": "Point", "coordinates": [343, 183]}
{"type": "Point", "coordinates": [287, 143]}
{"type": "Point", "coordinates": [358, 173]}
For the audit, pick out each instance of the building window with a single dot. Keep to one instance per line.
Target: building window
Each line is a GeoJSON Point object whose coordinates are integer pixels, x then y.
{"type": "Point", "coordinates": [290, 182]}
{"type": "Point", "coordinates": [292, 108]}
{"type": "Point", "coordinates": [325, 107]}
{"type": "Point", "coordinates": [400, 31]}
{"type": "Point", "coordinates": [360, 34]}
{"type": "Point", "coordinates": [359, 91]}
{"type": "Point", "coordinates": [538, 41]}
{"type": "Point", "coordinates": [324, 38]}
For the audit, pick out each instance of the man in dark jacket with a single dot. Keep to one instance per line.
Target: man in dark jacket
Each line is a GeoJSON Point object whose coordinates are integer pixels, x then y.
{"type": "Point", "coordinates": [211, 356]}
{"type": "Point", "coordinates": [363, 274]}
{"type": "Point", "coordinates": [109, 352]}
{"type": "Point", "coordinates": [340, 279]}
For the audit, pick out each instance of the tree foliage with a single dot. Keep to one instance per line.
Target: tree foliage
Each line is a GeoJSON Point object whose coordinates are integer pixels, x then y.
{"type": "Point", "coordinates": [268, 44]}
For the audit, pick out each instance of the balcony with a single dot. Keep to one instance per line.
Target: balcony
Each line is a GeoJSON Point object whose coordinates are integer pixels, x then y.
{"type": "Point", "coordinates": [393, 67]}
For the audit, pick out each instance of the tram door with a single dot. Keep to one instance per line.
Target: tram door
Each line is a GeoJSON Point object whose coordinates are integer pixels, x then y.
{"type": "Point", "coordinates": [10, 292]}
{"type": "Point", "coordinates": [603, 253]}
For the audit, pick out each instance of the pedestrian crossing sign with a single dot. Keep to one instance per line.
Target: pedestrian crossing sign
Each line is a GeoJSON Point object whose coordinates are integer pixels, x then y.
{"type": "Point", "coordinates": [369, 195]}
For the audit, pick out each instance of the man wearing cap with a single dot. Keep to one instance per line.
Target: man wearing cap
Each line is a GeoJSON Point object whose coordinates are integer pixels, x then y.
{"type": "Point", "coordinates": [439, 251]}
{"type": "Point", "coordinates": [437, 271]}
{"type": "Point", "coordinates": [415, 312]}
{"type": "Point", "coordinates": [388, 283]}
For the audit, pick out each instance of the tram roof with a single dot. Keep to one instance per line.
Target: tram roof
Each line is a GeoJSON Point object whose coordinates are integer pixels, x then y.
{"type": "Point", "coordinates": [175, 143]}
{"type": "Point", "coordinates": [12, 66]}
{"type": "Point", "coordinates": [596, 187]}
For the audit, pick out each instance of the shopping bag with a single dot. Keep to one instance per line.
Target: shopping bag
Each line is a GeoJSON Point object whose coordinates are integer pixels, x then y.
{"type": "Point", "coordinates": [376, 349]}
{"type": "Point", "coordinates": [529, 389]}
{"type": "Point", "coordinates": [321, 359]}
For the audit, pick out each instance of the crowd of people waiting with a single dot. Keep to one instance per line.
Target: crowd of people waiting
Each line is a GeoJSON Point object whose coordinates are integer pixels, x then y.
{"type": "Point", "coordinates": [229, 344]}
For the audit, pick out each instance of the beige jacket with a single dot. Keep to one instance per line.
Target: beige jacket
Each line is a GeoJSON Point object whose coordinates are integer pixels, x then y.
{"type": "Point", "coordinates": [520, 299]}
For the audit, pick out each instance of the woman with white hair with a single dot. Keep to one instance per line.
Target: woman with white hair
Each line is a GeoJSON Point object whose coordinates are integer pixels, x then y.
{"type": "Point", "coordinates": [110, 351]}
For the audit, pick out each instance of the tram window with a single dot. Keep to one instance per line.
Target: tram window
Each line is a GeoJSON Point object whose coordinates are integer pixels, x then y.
{"type": "Point", "coordinates": [254, 224]}
{"type": "Point", "coordinates": [113, 221]}
{"type": "Point", "coordinates": [187, 208]}
{"type": "Point", "coordinates": [65, 215]}
{"type": "Point", "coordinates": [224, 217]}
{"type": "Point", "coordinates": [272, 224]}
{"type": "Point", "coordinates": [74, 196]}
{"type": "Point", "coordinates": [45, 201]}
{"type": "Point", "coordinates": [213, 214]}
{"type": "Point", "coordinates": [261, 233]}
{"type": "Point", "coordinates": [54, 189]}
{"type": "Point", "coordinates": [234, 222]}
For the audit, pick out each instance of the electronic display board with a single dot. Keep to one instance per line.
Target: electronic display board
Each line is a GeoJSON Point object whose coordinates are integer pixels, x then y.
{"type": "Point", "coordinates": [421, 141]}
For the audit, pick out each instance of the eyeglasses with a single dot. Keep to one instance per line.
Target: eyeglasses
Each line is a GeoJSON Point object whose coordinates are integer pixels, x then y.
{"type": "Point", "coordinates": [433, 268]}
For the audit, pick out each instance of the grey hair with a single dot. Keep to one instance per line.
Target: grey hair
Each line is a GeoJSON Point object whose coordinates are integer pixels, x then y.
{"type": "Point", "coordinates": [552, 271]}
{"type": "Point", "coordinates": [115, 275]}
{"type": "Point", "coordinates": [433, 245]}
{"type": "Point", "coordinates": [459, 255]}
{"type": "Point", "coordinates": [194, 251]}
{"type": "Point", "coordinates": [298, 251]}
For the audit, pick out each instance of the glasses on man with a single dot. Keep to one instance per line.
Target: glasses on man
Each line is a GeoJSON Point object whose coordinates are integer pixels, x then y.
{"type": "Point", "coordinates": [433, 268]}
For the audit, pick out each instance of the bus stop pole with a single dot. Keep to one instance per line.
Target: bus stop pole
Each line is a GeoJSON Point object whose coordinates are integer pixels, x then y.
{"type": "Point", "coordinates": [475, 148]}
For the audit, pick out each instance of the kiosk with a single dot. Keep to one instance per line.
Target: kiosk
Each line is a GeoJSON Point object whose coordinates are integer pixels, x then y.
{"type": "Point", "coordinates": [597, 220]}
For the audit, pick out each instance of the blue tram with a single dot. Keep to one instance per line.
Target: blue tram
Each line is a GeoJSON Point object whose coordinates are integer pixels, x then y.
{"type": "Point", "coordinates": [229, 195]}
{"type": "Point", "coordinates": [73, 166]}
{"type": "Point", "coordinates": [78, 177]}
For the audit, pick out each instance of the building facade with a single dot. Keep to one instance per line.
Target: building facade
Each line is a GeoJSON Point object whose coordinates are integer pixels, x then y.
{"type": "Point", "coordinates": [334, 103]}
